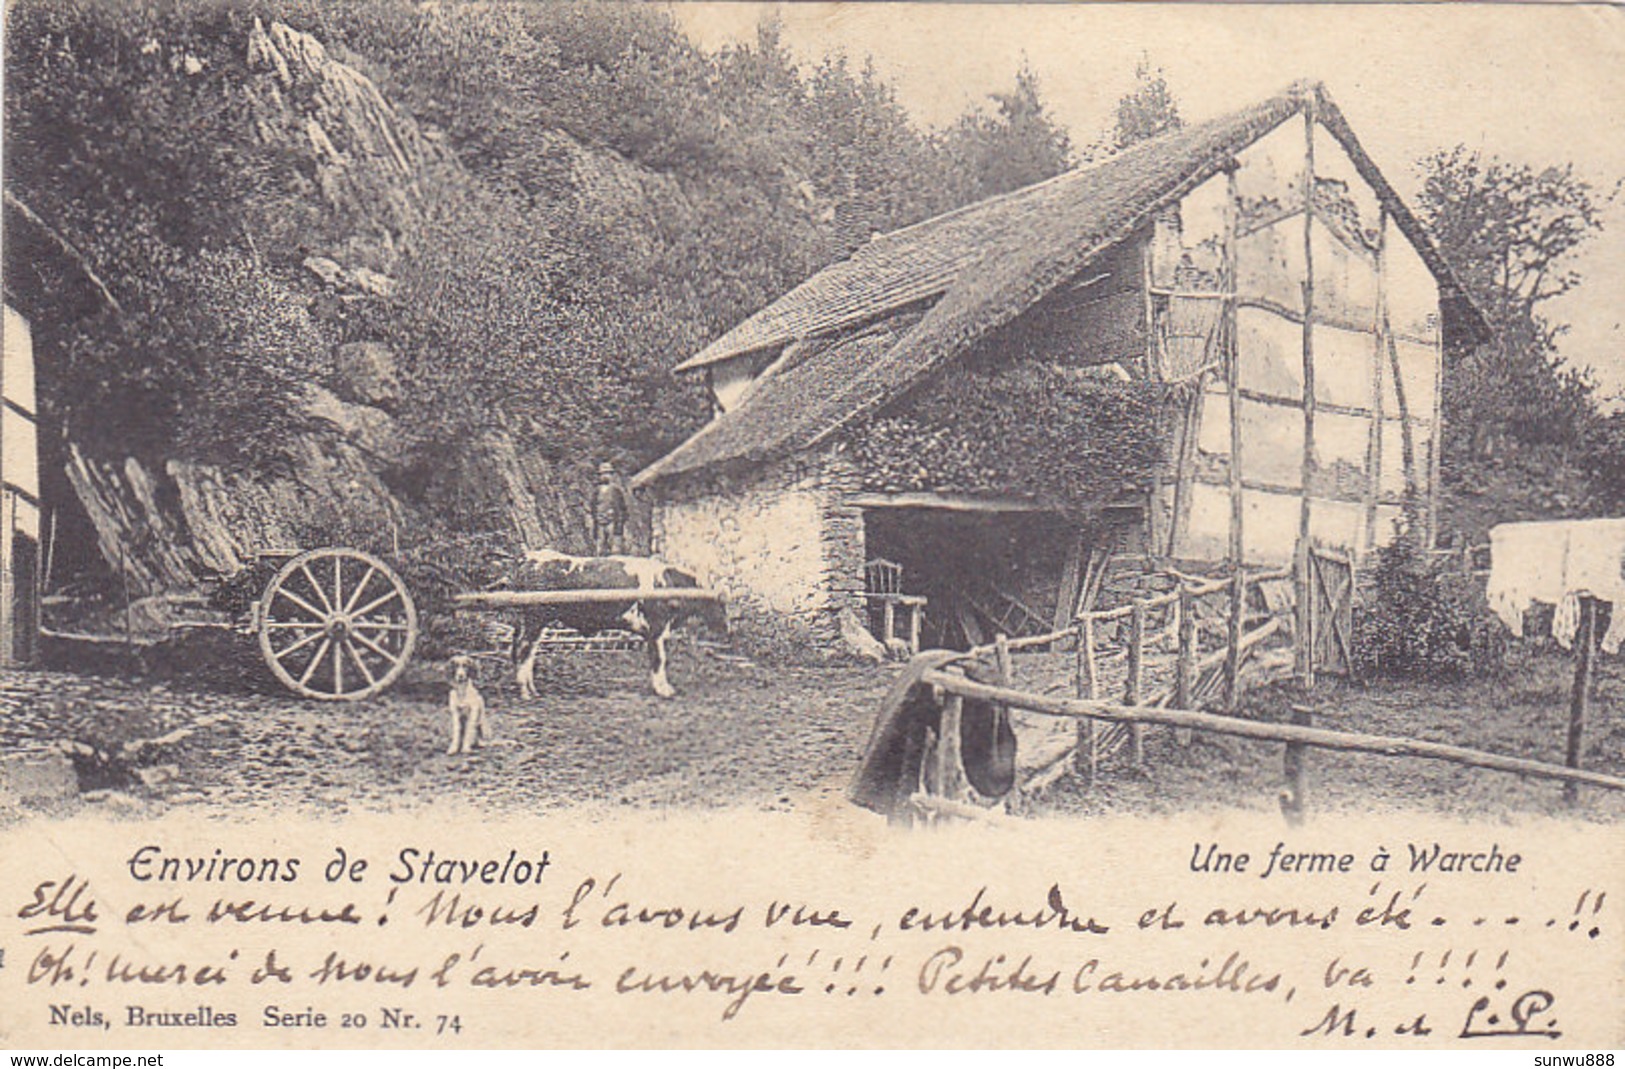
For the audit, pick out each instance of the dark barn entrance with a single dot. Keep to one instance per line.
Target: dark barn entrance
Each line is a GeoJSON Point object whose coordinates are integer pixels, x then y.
{"type": "Point", "coordinates": [984, 569]}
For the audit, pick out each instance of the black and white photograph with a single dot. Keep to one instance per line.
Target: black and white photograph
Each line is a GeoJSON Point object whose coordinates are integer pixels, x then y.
{"type": "Point", "coordinates": [940, 441]}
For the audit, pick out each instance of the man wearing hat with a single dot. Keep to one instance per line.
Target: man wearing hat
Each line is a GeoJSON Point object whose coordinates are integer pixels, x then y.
{"type": "Point", "coordinates": [610, 509]}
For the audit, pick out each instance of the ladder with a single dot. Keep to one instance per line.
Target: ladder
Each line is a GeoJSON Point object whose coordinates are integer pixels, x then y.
{"type": "Point", "coordinates": [1007, 614]}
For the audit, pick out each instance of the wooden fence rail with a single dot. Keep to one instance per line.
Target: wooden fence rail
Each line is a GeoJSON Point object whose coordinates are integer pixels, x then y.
{"type": "Point", "coordinates": [1348, 741]}
{"type": "Point", "coordinates": [1179, 629]}
{"type": "Point", "coordinates": [1104, 725]}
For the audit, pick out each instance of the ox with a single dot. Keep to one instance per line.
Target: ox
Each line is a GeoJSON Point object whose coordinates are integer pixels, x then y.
{"type": "Point", "coordinates": [647, 616]}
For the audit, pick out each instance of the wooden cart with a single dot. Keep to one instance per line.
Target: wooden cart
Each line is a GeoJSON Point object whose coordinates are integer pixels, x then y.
{"type": "Point", "coordinates": [339, 624]}
{"type": "Point", "coordinates": [336, 624]}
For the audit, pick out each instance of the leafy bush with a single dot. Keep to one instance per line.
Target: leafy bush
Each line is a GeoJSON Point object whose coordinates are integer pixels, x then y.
{"type": "Point", "coordinates": [1418, 619]}
{"type": "Point", "coordinates": [441, 565]}
{"type": "Point", "coordinates": [1604, 464]}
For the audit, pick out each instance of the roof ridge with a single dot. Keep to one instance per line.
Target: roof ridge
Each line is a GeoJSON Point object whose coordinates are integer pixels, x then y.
{"type": "Point", "coordinates": [1002, 198]}
{"type": "Point", "coordinates": [767, 326]}
{"type": "Point", "coordinates": [991, 271]}
{"type": "Point", "coordinates": [1297, 89]}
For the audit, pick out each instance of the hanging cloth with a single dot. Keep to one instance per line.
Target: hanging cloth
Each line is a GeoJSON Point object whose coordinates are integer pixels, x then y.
{"type": "Point", "coordinates": [1558, 563]}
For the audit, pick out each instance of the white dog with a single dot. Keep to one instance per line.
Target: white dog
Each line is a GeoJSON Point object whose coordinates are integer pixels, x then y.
{"type": "Point", "coordinates": [466, 704]}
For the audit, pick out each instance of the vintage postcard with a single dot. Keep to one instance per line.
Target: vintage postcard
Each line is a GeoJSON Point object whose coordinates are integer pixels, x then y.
{"type": "Point", "coordinates": [544, 525]}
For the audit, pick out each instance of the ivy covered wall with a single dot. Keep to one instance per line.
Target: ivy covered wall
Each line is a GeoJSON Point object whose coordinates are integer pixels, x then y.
{"type": "Point", "coordinates": [1032, 429]}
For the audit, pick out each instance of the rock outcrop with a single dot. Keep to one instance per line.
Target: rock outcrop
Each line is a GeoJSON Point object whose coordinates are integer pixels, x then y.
{"type": "Point", "coordinates": [607, 185]}
{"type": "Point", "coordinates": [169, 529]}
{"type": "Point", "coordinates": [168, 525]}
{"type": "Point", "coordinates": [366, 373]}
{"type": "Point", "coordinates": [370, 160]}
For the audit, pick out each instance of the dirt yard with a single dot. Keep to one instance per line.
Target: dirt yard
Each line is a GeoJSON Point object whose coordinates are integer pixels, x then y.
{"type": "Point", "coordinates": [737, 734]}
{"type": "Point", "coordinates": [744, 735]}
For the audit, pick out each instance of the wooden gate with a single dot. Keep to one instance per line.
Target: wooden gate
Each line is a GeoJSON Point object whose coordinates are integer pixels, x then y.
{"type": "Point", "coordinates": [1331, 616]}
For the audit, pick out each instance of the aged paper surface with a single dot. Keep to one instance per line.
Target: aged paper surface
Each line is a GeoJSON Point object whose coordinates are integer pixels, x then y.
{"type": "Point", "coordinates": [618, 870]}
{"type": "Point", "coordinates": [814, 928]}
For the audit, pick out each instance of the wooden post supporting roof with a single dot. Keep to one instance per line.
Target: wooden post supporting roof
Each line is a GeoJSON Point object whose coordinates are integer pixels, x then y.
{"type": "Point", "coordinates": [1236, 626]}
{"type": "Point", "coordinates": [1373, 449]}
{"type": "Point", "coordinates": [1232, 368]}
{"type": "Point", "coordinates": [1072, 579]}
{"type": "Point", "coordinates": [1153, 365]}
{"type": "Point", "coordinates": [1436, 440]}
{"type": "Point", "coordinates": [1407, 441]}
{"type": "Point", "coordinates": [1190, 428]}
{"type": "Point", "coordinates": [1305, 650]}
{"type": "Point", "coordinates": [1155, 371]}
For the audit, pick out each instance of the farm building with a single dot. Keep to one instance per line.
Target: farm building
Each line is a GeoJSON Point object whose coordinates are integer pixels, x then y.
{"type": "Point", "coordinates": [38, 264]}
{"type": "Point", "coordinates": [19, 495]}
{"type": "Point", "coordinates": [1221, 344]}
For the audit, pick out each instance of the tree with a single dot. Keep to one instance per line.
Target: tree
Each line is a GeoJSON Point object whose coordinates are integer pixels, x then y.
{"type": "Point", "coordinates": [1015, 145]}
{"type": "Point", "coordinates": [1605, 464]}
{"type": "Point", "coordinates": [1510, 231]}
{"type": "Point", "coordinates": [870, 170]}
{"type": "Point", "coordinates": [1146, 111]}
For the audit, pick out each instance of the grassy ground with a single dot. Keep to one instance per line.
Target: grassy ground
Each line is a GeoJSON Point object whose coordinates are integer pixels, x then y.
{"type": "Point", "coordinates": [1521, 712]}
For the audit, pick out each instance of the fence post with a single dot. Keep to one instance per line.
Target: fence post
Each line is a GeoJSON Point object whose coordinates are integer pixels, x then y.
{"type": "Point", "coordinates": [1236, 625]}
{"type": "Point", "coordinates": [950, 759]}
{"type": "Point", "coordinates": [1136, 667]}
{"type": "Point", "coordinates": [1585, 651]}
{"type": "Point", "coordinates": [1294, 762]}
{"type": "Point", "coordinates": [1185, 667]}
{"type": "Point", "coordinates": [1086, 683]}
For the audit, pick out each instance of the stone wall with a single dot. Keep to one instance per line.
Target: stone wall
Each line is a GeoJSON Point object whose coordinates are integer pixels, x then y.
{"type": "Point", "coordinates": [778, 542]}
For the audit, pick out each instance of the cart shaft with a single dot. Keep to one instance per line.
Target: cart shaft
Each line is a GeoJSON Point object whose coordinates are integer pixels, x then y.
{"type": "Point", "coordinates": [518, 599]}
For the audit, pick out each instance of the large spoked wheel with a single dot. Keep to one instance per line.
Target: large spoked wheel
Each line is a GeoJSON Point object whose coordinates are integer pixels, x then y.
{"type": "Point", "coordinates": [337, 624]}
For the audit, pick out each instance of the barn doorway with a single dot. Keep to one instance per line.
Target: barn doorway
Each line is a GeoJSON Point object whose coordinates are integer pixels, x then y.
{"type": "Point", "coordinates": [982, 571]}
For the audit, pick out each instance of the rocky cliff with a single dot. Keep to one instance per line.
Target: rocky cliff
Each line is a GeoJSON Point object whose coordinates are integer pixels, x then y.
{"type": "Point", "coordinates": [169, 524]}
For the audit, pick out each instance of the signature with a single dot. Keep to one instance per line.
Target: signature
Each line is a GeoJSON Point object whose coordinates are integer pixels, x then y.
{"type": "Point", "coordinates": [1526, 1017]}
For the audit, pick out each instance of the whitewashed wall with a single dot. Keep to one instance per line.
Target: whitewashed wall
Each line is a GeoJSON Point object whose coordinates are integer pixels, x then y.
{"type": "Point", "coordinates": [1358, 431]}
{"type": "Point", "coordinates": [776, 541]}
{"type": "Point", "coordinates": [19, 493]}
